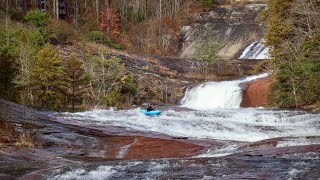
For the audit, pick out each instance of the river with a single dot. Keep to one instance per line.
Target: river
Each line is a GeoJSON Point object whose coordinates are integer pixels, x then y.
{"type": "Point", "coordinates": [211, 112]}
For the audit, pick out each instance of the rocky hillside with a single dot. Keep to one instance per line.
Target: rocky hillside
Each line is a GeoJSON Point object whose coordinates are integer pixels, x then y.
{"type": "Point", "coordinates": [232, 27]}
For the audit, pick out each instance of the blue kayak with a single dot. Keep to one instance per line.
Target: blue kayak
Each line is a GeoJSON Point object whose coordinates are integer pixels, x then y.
{"type": "Point", "coordinates": [154, 112]}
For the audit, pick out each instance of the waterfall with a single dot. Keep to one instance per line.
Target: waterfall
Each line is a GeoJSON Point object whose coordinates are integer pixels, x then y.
{"type": "Point", "coordinates": [256, 50]}
{"type": "Point", "coordinates": [212, 95]}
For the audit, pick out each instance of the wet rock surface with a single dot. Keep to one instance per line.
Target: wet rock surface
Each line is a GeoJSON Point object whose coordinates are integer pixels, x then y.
{"type": "Point", "coordinates": [59, 144]}
{"type": "Point", "coordinates": [73, 150]}
{"type": "Point", "coordinates": [255, 93]}
{"type": "Point", "coordinates": [239, 167]}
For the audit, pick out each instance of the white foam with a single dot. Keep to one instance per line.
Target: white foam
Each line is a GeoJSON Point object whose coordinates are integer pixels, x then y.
{"type": "Point", "coordinates": [225, 151]}
{"type": "Point", "coordinates": [123, 150]}
{"type": "Point", "coordinates": [301, 141]}
{"type": "Point", "coordinates": [293, 173]}
{"type": "Point", "coordinates": [207, 177]}
{"type": "Point", "coordinates": [256, 50]}
{"type": "Point", "coordinates": [212, 95]}
{"type": "Point", "coordinates": [224, 124]}
{"type": "Point", "coordinates": [101, 173]}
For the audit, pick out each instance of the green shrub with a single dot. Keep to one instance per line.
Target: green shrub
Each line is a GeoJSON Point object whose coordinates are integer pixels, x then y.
{"type": "Point", "coordinates": [207, 3]}
{"type": "Point", "coordinates": [114, 98]}
{"type": "Point", "coordinates": [129, 86]}
{"type": "Point", "coordinates": [61, 31]}
{"type": "Point", "coordinates": [116, 46]}
{"type": "Point", "coordinates": [97, 37]}
{"type": "Point", "coordinates": [37, 18]}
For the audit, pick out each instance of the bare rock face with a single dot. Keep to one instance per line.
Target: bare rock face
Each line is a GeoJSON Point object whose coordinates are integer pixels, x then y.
{"type": "Point", "coordinates": [255, 93]}
{"type": "Point", "coordinates": [231, 26]}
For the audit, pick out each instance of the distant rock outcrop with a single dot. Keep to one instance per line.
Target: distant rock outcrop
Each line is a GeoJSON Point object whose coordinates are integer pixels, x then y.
{"type": "Point", "coordinates": [234, 27]}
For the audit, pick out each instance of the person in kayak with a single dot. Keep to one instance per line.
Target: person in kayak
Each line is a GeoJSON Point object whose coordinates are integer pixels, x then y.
{"type": "Point", "coordinates": [150, 107]}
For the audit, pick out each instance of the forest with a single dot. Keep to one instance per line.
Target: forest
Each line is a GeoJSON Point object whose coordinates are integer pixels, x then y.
{"type": "Point", "coordinates": [294, 35]}
{"type": "Point", "coordinates": [34, 72]}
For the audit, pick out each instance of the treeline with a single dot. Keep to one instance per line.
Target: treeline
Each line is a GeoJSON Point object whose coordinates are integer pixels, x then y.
{"type": "Point", "coordinates": [141, 26]}
{"type": "Point", "coordinates": [294, 35]}
{"type": "Point", "coordinates": [33, 72]}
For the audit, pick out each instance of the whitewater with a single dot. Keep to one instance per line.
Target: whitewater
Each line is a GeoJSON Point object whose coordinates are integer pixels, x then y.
{"type": "Point", "coordinates": [256, 50]}
{"type": "Point", "coordinates": [215, 114]}
{"type": "Point", "coordinates": [212, 95]}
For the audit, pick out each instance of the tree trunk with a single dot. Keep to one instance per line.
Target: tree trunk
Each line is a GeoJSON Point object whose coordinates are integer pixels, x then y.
{"type": "Point", "coordinates": [76, 14]}
{"type": "Point", "coordinates": [97, 13]}
{"type": "Point", "coordinates": [54, 6]}
{"type": "Point", "coordinates": [108, 18]}
{"type": "Point", "coordinates": [57, 9]}
{"type": "Point", "coordinates": [73, 98]}
{"type": "Point", "coordinates": [7, 13]}
{"type": "Point", "coordinates": [24, 6]}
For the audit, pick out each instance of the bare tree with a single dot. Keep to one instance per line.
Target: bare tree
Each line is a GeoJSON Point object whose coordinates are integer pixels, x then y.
{"type": "Point", "coordinates": [97, 12]}
{"type": "Point", "coordinates": [76, 14]}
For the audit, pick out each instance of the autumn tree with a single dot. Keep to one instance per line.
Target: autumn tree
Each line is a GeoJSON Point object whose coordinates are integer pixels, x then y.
{"type": "Point", "coordinates": [47, 78]}
{"type": "Point", "coordinates": [110, 21]}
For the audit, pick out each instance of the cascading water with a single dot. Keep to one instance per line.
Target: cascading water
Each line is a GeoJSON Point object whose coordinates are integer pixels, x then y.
{"type": "Point", "coordinates": [256, 50]}
{"type": "Point", "coordinates": [218, 117]}
{"type": "Point", "coordinates": [226, 94]}
{"type": "Point", "coordinates": [224, 122]}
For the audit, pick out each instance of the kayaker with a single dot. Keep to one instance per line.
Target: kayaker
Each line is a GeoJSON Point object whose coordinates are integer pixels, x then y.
{"type": "Point", "coordinates": [150, 107]}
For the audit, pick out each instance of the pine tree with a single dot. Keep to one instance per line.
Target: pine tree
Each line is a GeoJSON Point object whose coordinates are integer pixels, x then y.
{"type": "Point", "coordinates": [207, 4]}
{"type": "Point", "coordinates": [76, 85]}
{"type": "Point", "coordinates": [292, 33]}
{"type": "Point", "coordinates": [47, 78]}
{"type": "Point", "coordinates": [31, 42]}
{"type": "Point", "coordinates": [8, 71]}
{"type": "Point", "coordinates": [8, 62]}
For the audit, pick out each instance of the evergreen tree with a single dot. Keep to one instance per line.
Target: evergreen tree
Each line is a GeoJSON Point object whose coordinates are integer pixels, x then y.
{"type": "Point", "coordinates": [207, 3]}
{"type": "Point", "coordinates": [38, 19]}
{"type": "Point", "coordinates": [8, 62]}
{"type": "Point", "coordinates": [293, 33]}
{"type": "Point", "coordinates": [129, 88]}
{"type": "Point", "coordinates": [31, 42]}
{"type": "Point", "coordinates": [8, 71]}
{"type": "Point", "coordinates": [73, 68]}
{"type": "Point", "coordinates": [47, 78]}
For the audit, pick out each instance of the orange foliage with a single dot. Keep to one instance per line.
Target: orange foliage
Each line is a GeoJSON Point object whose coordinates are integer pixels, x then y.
{"type": "Point", "coordinates": [114, 22]}
{"type": "Point", "coordinates": [170, 23]}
